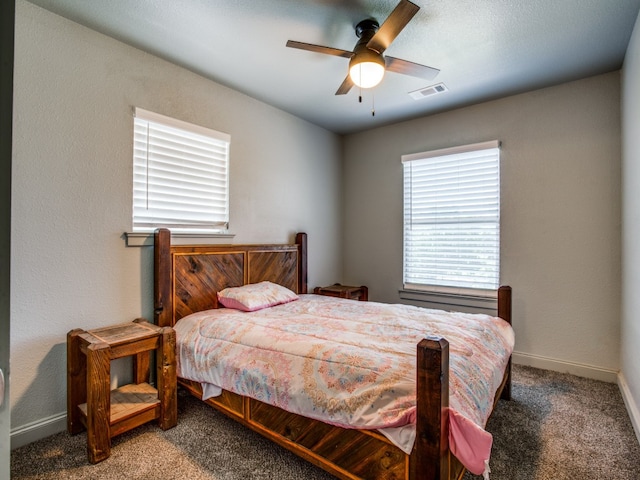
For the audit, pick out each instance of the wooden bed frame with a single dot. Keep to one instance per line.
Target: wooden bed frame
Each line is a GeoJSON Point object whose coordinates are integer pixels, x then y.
{"type": "Point", "coordinates": [187, 278]}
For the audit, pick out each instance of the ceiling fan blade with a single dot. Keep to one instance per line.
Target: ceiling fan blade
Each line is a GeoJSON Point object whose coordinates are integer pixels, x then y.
{"type": "Point", "coordinates": [346, 86]}
{"type": "Point", "coordinates": [406, 67]}
{"type": "Point", "coordinates": [393, 25]}
{"type": "Point", "coordinates": [320, 49]}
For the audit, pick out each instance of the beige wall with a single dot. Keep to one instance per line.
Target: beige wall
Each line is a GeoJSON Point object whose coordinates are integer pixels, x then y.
{"type": "Point", "coordinates": [630, 359]}
{"type": "Point", "coordinates": [560, 214]}
{"type": "Point", "coordinates": [72, 165]}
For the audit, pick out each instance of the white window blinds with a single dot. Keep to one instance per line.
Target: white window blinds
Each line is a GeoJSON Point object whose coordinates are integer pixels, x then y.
{"type": "Point", "coordinates": [452, 218]}
{"type": "Point", "coordinates": [180, 175]}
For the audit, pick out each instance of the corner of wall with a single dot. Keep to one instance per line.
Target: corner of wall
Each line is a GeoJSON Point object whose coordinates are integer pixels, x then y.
{"type": "Point", "coordinates": [632, 407]}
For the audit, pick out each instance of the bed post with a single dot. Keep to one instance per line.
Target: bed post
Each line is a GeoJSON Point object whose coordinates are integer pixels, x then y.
{"type": "Point", "coordinates": [430, 455]}
{"type": "Point", "coordinates": [504, 312]}
{"type": "Point", "coordinates": [301, 240]}
{"type": "Point", "coordinates": [504, 303]}
{"type": "Point", "coordinates": [162, 308]}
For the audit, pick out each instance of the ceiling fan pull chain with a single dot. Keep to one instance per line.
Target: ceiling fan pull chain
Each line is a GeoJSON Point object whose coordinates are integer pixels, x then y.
{"type": "Point", "coordinates": [373, 104]}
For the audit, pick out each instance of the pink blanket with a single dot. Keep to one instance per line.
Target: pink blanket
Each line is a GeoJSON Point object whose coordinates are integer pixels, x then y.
{"type": "Point", "coordinates": [351, 364]}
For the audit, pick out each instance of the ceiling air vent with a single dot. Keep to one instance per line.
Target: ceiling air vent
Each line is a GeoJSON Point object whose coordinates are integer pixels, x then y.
{"type": "Point", "coordinates": [428, 91]}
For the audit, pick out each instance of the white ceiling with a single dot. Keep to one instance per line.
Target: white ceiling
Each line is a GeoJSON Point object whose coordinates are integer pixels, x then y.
{"type": "Point", "coordinates": [484, 49]}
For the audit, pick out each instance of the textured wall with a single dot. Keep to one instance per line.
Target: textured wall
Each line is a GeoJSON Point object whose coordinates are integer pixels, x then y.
{"type": "Point", "coordinates": [72, 167]}
{"type": "Point", "coordinates": [560, 213]}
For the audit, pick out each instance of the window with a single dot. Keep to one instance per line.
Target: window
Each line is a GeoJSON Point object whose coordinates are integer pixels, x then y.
{"type": "Point", "coordinates": [180, 175]}
{"type": "Point", "coordinates": [452, 218]}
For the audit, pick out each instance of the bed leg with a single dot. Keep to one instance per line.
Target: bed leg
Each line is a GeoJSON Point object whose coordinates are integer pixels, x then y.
{"type": "Point", "coordinates": [506, 391]}
{"type": "Point", "coordinates": [166, 378]}
{"type": "Point", "coordinates": [504, 312]}
{"type": "Point", "coordinates": [430, 456]}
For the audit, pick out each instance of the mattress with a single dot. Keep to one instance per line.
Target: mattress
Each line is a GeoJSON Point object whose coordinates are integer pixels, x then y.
{"type": "Point", "coordinates": [350, 364]}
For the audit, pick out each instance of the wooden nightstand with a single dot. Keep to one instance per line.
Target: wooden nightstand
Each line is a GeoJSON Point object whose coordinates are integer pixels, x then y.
{"type": "Point", "coordinates": [104, 413]}
{"type": "Point", "coordinates": [344, 291]}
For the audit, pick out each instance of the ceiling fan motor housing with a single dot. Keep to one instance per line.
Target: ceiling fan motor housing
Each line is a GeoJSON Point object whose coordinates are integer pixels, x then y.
{"type": "Point", "coordinates": [365, 26]}
{"type": "Point", "coordinates": [362, 54]}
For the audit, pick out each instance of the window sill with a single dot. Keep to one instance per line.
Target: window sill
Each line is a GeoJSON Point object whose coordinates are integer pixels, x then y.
{"type": "Point", "coordinates": [135, 239]}
{"type": "Point", "coordinates": [485, 301]}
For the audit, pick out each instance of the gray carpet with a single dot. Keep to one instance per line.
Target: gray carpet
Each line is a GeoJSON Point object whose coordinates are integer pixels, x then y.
{"type": "Point", "coordinates": [556, 427]}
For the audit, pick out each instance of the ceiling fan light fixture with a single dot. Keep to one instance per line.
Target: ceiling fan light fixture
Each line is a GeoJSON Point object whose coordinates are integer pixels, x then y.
{"type": "Point", "coordinates": [366, 69]}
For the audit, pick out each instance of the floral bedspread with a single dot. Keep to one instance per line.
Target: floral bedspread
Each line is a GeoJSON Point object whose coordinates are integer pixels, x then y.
{"type": "Point", "coordinates": [347, 363]}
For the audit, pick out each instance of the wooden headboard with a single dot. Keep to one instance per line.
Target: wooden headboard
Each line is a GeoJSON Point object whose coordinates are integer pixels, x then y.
{"type": "Point", "coordinates": [187, 277]}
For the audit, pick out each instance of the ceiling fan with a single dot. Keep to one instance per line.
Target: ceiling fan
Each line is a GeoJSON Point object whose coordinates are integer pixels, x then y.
{"type": "Point", "coordinates": [367, 65]}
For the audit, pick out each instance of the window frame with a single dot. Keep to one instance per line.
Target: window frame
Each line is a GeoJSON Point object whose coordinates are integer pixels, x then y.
{"type": "Point", "coordinates": [446, 288]}
{"type": "Point", "coordinates": [211, 176]}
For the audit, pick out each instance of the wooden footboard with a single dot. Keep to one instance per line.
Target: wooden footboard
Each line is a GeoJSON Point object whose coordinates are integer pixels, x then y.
{"type": "Point", "coordinates": [187, 279]}
{"type": "Point", "coordinates": [347, 454]}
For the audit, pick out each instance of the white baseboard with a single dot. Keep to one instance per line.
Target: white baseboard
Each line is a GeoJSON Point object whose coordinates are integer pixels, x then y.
{"type": "Point", "coordinates": [553, 364]}
{"type": "Point", "coordinates": [38, 429]}
{"type": "Point", "coordinates": [632, 407]}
